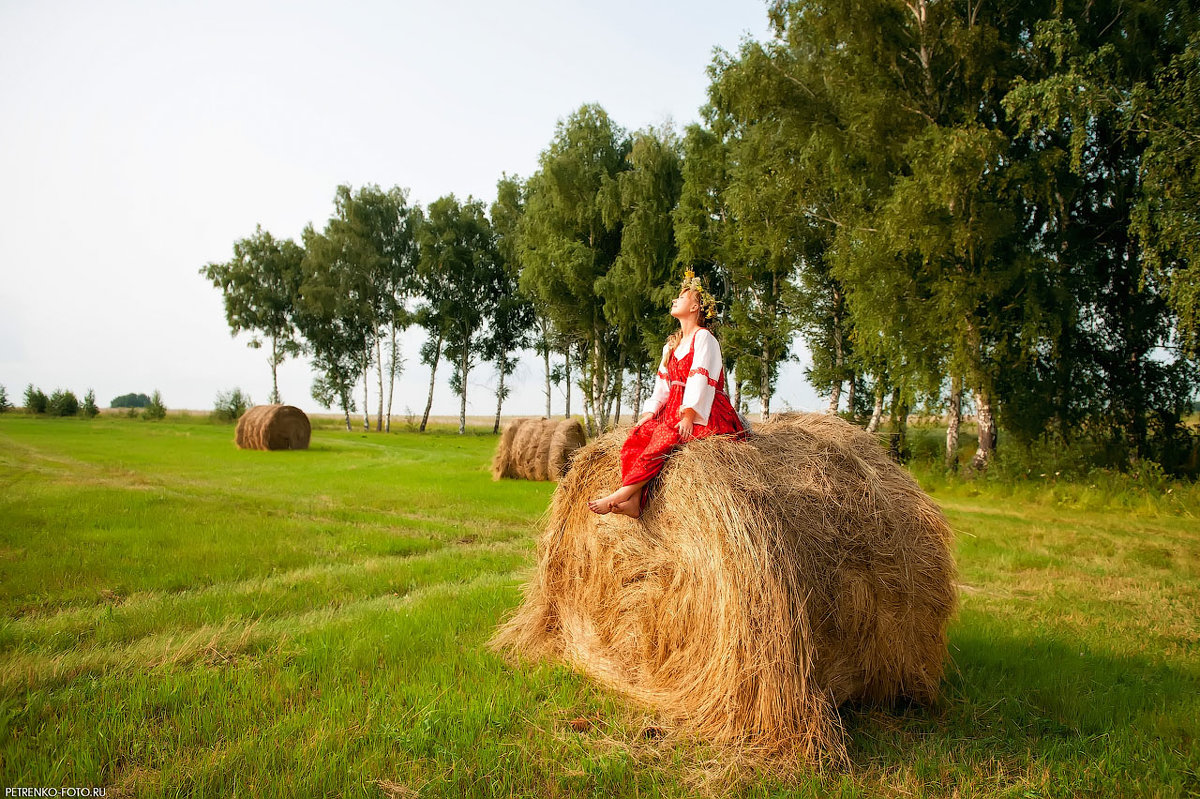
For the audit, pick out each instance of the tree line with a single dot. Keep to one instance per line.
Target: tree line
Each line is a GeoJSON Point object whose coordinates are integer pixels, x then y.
{"type": "Point", "coordinates": [953, 206]}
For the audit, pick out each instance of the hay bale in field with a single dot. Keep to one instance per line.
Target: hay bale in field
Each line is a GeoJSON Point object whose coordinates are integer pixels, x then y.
{"type": "Point", "coordinates": [766, 583]}
{"type": "Point", "coordinates": [524, 449]}
{"type": "Point", "coordinates": [567, 437]}
{"type": "Point", "coordinates": [502, 461]}
{"type": "Point", "coordinates": [536, 449]}
{"type": "Point", "coordinates": [273, 427]}
{"type": "Point", "coordinates": [542, 456]}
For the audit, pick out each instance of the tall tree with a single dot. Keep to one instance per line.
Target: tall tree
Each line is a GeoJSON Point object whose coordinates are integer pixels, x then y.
{"type": "Point", "coordinates": [260, 286]}
{"type": "Point", "coordinates": [372, 232]}
{"type": "Point", "coordinates": [333, 315]}
{"type": "Point", "coordinates": [638, 288]}
{"type": "Point", "coordinates": [458, 247]}
{"type": "Point", "coordinates": [568, 241]}
{"type": "Point", "coordinates": [512, 319]}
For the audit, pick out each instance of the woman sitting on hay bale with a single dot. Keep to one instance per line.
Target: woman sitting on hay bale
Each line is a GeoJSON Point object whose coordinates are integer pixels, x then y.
{"type": "Point", "coordinates": [688, 402]}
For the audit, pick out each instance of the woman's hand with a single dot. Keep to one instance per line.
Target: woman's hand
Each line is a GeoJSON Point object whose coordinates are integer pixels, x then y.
{"type": "Point", "coordinates": [684, 427]}
{"type": "Point", "coordinates": [643, 420]}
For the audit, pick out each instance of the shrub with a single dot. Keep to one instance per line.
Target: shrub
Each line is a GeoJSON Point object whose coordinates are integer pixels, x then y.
{"type": "Point", "coordinates": [35, 400]}
{"type": "Point", "coordinates": [4, 403]}
{"type": "Point", "coordinates": [63, 403]}
{"type": "Point", "coordinates": [89, 405]}
{"type": "Point", "coordinates": [130, 401]}
{"type": "Point", "coordinates": [155, 409]}
{"type": "Point", "coordinates": [230, 405]}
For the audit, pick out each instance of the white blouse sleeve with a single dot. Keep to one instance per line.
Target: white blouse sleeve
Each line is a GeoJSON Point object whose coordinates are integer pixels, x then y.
{"type": "Point", "coordinates": [701, 386]}
{"type": "Point", "coordinates": [661, 389]}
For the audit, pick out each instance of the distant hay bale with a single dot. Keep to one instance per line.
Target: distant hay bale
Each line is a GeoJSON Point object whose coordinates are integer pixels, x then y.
{"type": "Point", "coordinates": [567, 437]}
{"type": "Point", "coordinates": [541, 457]}
{"type": "Point", "coordinates": [536, 449]}
{"type": "Point", "coordinates": [766, 583]}
{"type": "Point", "coordinates": [273, 427]}
{"type": "Point", "coordinates": [524, 449]}
{"type": "Point", "coordinates": [502, 462]}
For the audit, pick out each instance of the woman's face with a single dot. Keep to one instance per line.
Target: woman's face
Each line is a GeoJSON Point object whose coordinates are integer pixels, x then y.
{"type": "Point", "coordinates": [687, 303]}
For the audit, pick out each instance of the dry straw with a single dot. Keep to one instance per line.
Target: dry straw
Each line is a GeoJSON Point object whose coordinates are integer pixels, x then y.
{"type": "Point", "coordinates": [273, 427]}
{"type": "Point", "coordinates": [536, 449]}
{"type": "Point", "coordinates": [766, 583]}
{"type": "Point", "coordinates": [567, 437]}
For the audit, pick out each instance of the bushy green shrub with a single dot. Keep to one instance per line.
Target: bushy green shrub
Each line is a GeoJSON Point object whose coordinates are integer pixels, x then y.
{"type": "Point", "coordinates": [230, 405]}
{"type": "Point", "coordinates": [130, 401]}
{"type": "Point", "coordinates": [89, 408]}
{"type": "Point", "coordinates": [155, 409]}
{"type": "Point", "coordinates": [35, 400]}
{"type": "Point", "coordinates": [63, 403]}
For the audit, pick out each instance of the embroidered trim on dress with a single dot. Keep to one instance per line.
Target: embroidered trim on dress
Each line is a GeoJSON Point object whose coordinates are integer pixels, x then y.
{"type": "Point", "coordinates": [700, 370]}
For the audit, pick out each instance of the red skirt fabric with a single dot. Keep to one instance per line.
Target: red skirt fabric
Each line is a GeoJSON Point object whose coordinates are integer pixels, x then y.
{"type": "Point", "coordinates": [650, 443]}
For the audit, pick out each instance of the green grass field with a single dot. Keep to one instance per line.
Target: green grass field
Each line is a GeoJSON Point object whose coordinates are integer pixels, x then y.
{"type": "Point", "coordinates": [181, 618]}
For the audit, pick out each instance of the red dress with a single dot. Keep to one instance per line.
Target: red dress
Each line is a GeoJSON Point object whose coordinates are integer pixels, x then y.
{"type": "Point", "coordinates": [685, 382]}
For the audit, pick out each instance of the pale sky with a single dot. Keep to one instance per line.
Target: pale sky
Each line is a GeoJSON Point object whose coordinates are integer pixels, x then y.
{"type": "Point", "coordinates": [139, 140]}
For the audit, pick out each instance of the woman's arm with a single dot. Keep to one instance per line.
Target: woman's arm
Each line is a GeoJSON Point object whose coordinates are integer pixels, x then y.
{"type": "Point", "coordinates": [661, 390]}
{"type": "Point", "coordinates": [701, 386]}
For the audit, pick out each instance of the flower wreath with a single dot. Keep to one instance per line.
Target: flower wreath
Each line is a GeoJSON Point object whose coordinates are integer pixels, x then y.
{"type": "Point", "coordinates": [708, 303]}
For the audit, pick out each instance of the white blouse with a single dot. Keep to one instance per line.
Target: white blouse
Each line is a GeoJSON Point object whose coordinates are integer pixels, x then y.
{"type": "Point", "coordinates": [701, 385]}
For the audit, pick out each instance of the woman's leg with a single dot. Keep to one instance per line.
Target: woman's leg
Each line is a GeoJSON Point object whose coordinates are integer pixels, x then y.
{"type": "Point", "coordinates": [626, 500]}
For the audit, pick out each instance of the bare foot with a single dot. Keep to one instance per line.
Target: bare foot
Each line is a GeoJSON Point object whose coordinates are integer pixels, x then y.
{"type": "Point", "coordinates": [631, 507]}
{"type": "Point", "coordinates": [602, 506]}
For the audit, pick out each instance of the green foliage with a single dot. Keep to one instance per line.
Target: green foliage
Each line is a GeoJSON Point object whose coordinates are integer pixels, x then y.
{"type": "Point", "coordinates": [130, 401]}
{"type": "Point", "coordinates": [570, 237]}
{"type": "Point", "coordinates": [35, 400]}
{"type": "Point", "coordinates": [260, 286]}
{"type": "Point", "coordinates": [63, 403]}
{"type": "Point", "coordinates": [89, 409]}
{"type": "Point", "coordinates": [155, 410]}
{"type": "Point", "coordinates": [462, 269]}
{"type": "Point", "coordinates": [5, 405]}
{"type": "Point", "coordinates": [230, 405]}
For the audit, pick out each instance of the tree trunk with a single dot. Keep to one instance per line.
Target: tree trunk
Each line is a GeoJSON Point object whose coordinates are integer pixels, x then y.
{"type": "Point", "coordinates": [567, 369]}
{"type": "Point", "coordinates": [835, 398]}
{"type": "Point", "coordinates": [391, 381]}
{"type": "Point", "coordinates": [379, 372]}
{"type": "Point", "coordinates": [639, 387]}
{"type": "Point", "coordinates": [546, 358]}
{"type": "Point", "coordinates": [437, 356]}
{"type": "Point", "coordinates": [953, 423]}
{"type": "Point", "coordinates": [499, 395]}
{"type": "Point", "coordinates": [464, 366]}
{"type": "Point", "coordinates": [274, 371]}
{"type": "Point", "coordinates": [346, 410]}
{"type": "Point", "coordinates": [987, 430]}
{"type": "Point", "coordinates": [877, 412]}
{"type": "Point", "coordinates": [596, 400]}
{"type": "Point", "coordinates": [366, 370]}
{"type": "Point", "coordinates": [620, 386]}
{"type": "Point", "coordinates": [764, 384]}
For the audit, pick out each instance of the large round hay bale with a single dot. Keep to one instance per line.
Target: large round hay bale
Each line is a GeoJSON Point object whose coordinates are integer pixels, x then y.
{"type": "Point", "coordinates": [273, 427]}
{"type": "Point", "coordinates": [525, 449]}
{"type": "Point", "coordinates": [767, 582]}
{"type": "Point", "coordinates": [502, 461]}
{"type": "Point", "coordinates": [567, 437]}
{"type": "Point", "coordinates": [542, 456]}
